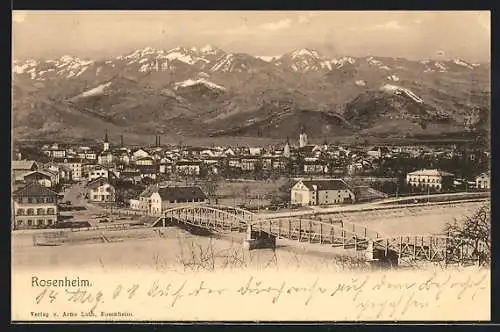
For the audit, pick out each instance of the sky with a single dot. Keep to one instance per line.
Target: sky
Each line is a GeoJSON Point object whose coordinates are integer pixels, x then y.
{"type": "Point", "coordinates": [408, 34]}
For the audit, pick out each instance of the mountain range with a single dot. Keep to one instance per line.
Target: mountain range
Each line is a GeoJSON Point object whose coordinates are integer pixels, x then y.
{"type": "Point", "coordinates": [206, 92]}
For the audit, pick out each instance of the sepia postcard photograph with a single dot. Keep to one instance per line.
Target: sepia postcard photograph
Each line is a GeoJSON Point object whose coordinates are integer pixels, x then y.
{"type": "Point", "coordinates": [293, 166]}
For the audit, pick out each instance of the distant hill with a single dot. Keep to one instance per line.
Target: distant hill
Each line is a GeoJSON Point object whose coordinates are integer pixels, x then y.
{"type": "Point", "coordinates": [209, 92]}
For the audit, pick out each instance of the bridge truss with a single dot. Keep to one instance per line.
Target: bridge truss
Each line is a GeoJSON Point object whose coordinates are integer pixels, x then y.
{"type": "Point", "coordinates": [334, 233]}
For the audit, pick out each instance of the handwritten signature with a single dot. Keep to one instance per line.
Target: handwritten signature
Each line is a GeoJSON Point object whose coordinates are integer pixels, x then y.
{"type": "Point", "coordinates": [366, 292]}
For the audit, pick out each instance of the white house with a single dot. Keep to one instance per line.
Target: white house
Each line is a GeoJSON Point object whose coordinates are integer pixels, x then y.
{"type": "Point", "coordinates": [229, 152]}
{"type": "Point", "coordinates": [321, 192]}
{"type": "Point", "coordinates": [254, 151]}
{"type": "Point", "coordinates": [101, 191]}
{"type": "Point", "coordinates": [145, 161]}
{"type": "Point", "coordinates": [188, 167]}
{"type": "Point", "coordinates": [483, 181]}
{"type": "Point", "coordinates": [105, 158]}
{"type": "Point", "coordinates": [21, 167]}
{"type": "Point", "coordinates": [98, 172]}
{"type": "Point", "coordinates": [75, 165]}
{"type": "Point", "coordinates": [43, 177]}
{"type": "Point", "coordinates": [154, 200]}
{"type": "Point", "coordinates": [140, 153]}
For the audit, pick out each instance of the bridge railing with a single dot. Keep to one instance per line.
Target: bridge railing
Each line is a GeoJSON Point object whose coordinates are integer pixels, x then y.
{"type": "Point", "coordinates": [437, 248]}
{"type": "Point", "coordinates": [209, 217]}
{"type": "Point", "coordinates": [312, 231]}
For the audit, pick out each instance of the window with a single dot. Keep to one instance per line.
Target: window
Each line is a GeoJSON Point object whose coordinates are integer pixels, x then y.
{"type": "Point", "coordinates": [30, 222]}
{"type": "Point", "coordinates": [40, 211]}
{"type": "Point", "coordinates": [30, 200]}
{"type": "Point", "coordinates": [39, 222]}
{"type": "Point", "coordinates": [20, 212]}
{"type": "Point", "coordinates": [19, 223]}
{"type": "Point", "coordinates": [95, 197]}
{"type": "Point", "coordinates": [50, 211]}
{"type": "Point", "coordinates": [30, 212]}
{"type": "Point", "coordinates": [20, 200]}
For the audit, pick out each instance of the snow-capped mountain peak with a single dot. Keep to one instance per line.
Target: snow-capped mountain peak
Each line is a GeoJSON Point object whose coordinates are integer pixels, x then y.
{"type": "Point", "coordinates": [268, 58]}
{"type": "Point", "coordinates": [208, 49]}
{"type": "Point", "coordinates": [200, 81]}
{"type": "Point", "coordinates": [400, 90]}
{"type": "Point", "coordinates": [343, 61]}
{"type": "Point", "coordinates": [304, 60]}
{"type": "Point", "coordinates": [305, 52]}
{"type": "Point", "coordinates": [141, 53]}
{"type": "Point", "coordinates": [209, 58]}
{"type": "Point", "coordinates": [184, 55]}
{"type": "Point", "coordinates": [462, 63]}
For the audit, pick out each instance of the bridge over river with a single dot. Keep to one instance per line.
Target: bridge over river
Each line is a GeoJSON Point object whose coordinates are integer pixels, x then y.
{"type": "Point", "coordinates": [262, 232]}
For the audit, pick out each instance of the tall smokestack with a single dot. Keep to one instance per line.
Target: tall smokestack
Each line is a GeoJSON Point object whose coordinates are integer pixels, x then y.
{"type": "Point", "coordinates": [159, 140]}
{"type": "Point", "coordinates": [156, 140]}
{"type": "Point", "coordinates": [121, 140]}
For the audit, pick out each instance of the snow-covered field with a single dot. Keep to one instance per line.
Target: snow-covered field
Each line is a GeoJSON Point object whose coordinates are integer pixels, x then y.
{"type": "Point", "coordinates": [176, 250]}
{"type": "Point", "coordinates": [424, 220]}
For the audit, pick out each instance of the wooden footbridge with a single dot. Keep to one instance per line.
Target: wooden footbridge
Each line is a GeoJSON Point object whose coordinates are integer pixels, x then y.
{"type": "Point", "coordinates": [333, 233]}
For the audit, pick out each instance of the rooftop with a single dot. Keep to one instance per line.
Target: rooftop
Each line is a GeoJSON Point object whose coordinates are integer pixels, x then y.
{"type": "Point", "coordinates": [23, 164]}
{"type": "Point", "coordinates": [34, 189]}
{"type": "Point", "coordinates": [430, 172]}
{"type": "Point", "coordinates": [149, 191]}
{"type": "Point", "coordinates": [181, 193]}
{"type": "Point", "coordinates": [37, 174]}
{"type": "Point", "coordinates": [332, 184]}
{"type": "Point", "coordinates": [97, 182]}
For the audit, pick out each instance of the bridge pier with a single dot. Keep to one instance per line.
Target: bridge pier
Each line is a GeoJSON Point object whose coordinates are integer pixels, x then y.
{"type": "Point", "coordinates": [258, 239]}
{"type": "Point", "coordinates": [379, 257]}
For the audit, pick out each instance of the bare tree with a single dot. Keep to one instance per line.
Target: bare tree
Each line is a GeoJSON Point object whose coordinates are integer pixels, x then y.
{"type": "Point", "coordinates": [245, 191]}
{"type": "Point", "coordinates": [476, 229]}
{"type": "Point", "coordinates": [210, 186]}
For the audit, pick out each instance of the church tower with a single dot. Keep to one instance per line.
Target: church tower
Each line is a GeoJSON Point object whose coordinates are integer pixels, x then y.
{"type": "Point", "coordinates": [286, 149]}
{"type": "Point", "coordinates": [302, 138]}
{"type": "Point", "coordinates": [325, 145]}
{"type": "Point", "coordinates": [105, 144]}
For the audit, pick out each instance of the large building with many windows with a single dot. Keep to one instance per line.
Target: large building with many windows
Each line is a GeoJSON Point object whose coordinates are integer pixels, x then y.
{"type": "Point", "coordinates": [34, 206]}
{"type": "Point", "coordinates": [430, 179]}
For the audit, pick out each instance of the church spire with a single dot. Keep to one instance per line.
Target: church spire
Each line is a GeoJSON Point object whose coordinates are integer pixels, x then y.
{"type": "Point", "coordinates": [105, 144]}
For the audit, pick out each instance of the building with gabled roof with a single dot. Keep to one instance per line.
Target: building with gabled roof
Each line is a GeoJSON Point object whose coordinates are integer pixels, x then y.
{"type": "Point", "coordinates": [321, 192]}
{"type": "Point", "coordinates": [100, 191]}
{"type": "Point", "coordinates": [34, 206]}
{"type": "Point", "coordinates": [154, 200]}
{"type": "Point", "coordinates": [483, 181]}
{"type": "Point", "coordinates": [21, 167]}
{"type": "Point", "coordinates": [97, 171]}
{"type": "Point", "coordinates": [44, 177]}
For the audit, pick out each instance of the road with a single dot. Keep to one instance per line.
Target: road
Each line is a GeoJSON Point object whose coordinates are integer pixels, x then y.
{"type": "Point", "coordinates": [433, 196]}
{"type": "Point", "coordinates": [379, 205]}
{"type": "Point", "coordinates": [75, 194]}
